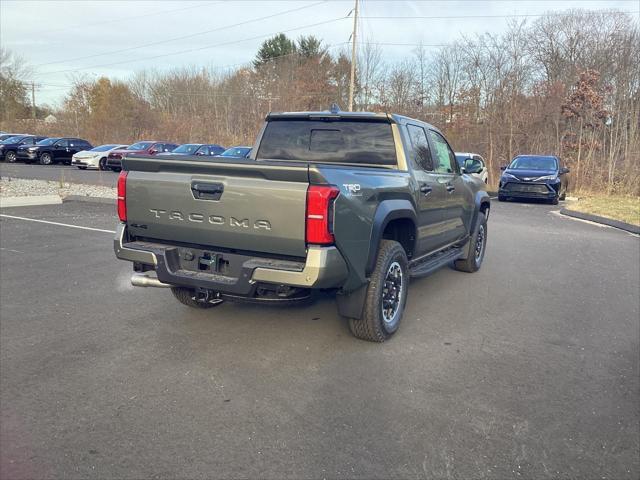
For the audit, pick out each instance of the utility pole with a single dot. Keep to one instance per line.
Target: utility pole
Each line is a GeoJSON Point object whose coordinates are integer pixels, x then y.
{"type": "Point", "coordinates": [33, 100]}
{"type": "Point", "coordinates": [353, 56]}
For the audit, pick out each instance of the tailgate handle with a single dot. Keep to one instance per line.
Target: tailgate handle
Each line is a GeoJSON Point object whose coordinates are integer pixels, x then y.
{"type": "Point", "coordinates": [207, 191]}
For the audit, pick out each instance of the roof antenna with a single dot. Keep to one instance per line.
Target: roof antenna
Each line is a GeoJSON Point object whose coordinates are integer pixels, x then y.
{"type": "Point", "coordinates": [335, 108]}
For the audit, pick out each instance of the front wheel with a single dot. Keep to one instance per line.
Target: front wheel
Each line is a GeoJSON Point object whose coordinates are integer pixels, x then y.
{"type": "Point", "coordinates": [386, 295]}
{"type": "Point", "coordinates": [45, 159]}
{"type": "Point", "coordinates": [11, 157]}
{"type": "Point", "coordinates": [102, 164]}
{"type": "Point", "coordinates": [476, 248]}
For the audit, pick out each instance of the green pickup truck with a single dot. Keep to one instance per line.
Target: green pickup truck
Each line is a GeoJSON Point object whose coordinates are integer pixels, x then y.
{"type": "Point", "coordinates": [353, 203]}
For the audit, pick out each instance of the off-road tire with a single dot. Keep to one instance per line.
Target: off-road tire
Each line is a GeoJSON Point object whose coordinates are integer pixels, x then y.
{"type": "Point", "coordinates": [102, 164]}
{"type": "Point", "coordinates": [371, 326]}
{"type": "Point", "coordinates": [185, 296]}
{"type": "Point", "coordinates": [473, 263]}
{"type": "Point", "coordinates": [10, 157]}
{"type": "Point", "coordinates": [46, 159]}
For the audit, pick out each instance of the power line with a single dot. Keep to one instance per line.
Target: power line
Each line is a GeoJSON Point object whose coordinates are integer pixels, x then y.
{"type": "Point", "coordinates": [195, 49]}
{"type": "Point", "coordinates": [54, 86]}
{"type": "Point", "coordinates": [160, 42]}
{"type": "Point", "coordinates": [126, 19]}
{"type": "Point", "coordinates": [523, 15]}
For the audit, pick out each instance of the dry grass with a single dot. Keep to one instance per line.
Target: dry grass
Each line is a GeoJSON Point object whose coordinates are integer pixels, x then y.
{"type": "Point", "coordinates": [623, 208]}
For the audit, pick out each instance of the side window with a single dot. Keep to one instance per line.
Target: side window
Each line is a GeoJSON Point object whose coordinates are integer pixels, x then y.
{"type": "Point", "coordinates": [27, 141]}
{"type": "Point", "coordinates": [444, 158]}
{"type": "Point", "coordinates": [203, 150]}
{"type": "Point", "coordinates": [159, 147]}
{"type": "Point", "coordinates": [62, 143]}
{"type": "Point", "coordinates": [420, 147]}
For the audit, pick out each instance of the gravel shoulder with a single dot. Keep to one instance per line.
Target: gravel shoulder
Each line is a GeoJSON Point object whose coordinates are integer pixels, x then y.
{"type": "Point", "coordinates": [20, 187]}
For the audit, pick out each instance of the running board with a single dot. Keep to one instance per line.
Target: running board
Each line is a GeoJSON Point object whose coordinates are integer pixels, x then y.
{"type": "Point", "coordinates": [426, 266]}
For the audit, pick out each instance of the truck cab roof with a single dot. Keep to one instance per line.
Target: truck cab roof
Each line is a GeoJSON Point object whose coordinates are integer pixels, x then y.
{"type": "Point", "coordinates": [366, 116]}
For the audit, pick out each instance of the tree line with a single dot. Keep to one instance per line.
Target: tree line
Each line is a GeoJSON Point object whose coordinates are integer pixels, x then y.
{"type": "Point", "coordinates": [564, 84]}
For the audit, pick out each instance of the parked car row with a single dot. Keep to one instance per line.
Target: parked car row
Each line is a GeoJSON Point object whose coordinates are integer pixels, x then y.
{"type": "Point", "coordinates": [80, 153]}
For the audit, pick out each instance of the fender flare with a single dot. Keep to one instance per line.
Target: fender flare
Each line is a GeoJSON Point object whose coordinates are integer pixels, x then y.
{"type": "Point", "coordinates": [480, 198]}
{"type": "Point", "coordinates": [387, 211]}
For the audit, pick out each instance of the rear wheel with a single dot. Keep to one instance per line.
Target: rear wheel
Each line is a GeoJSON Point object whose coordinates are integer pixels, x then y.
{"type": "Point", "coordinates": [476, 248]}
{"type": "Point", "coordinates": [10, 157]}
{"type": "Point", "coordinates": [46, 159]}
{"type": "Point", "coordinates": [185, 296]}
{"type": "Point", "coordinates": [386, 295]}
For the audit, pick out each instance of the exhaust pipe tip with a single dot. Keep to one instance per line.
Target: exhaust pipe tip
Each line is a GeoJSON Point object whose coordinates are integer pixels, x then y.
{"type": "Point", "coordinates": [140, 280]}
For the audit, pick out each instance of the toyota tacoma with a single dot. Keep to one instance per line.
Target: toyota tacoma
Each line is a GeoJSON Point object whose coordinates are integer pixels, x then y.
{"type": "Point", "coordinates": [352, 203]}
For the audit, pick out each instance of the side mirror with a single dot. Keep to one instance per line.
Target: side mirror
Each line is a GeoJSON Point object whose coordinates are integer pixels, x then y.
{"type": "Point", "coordinates": [564, 170]}
{"type": "Point", "coordinates": [503, 167]}
{"type": "Point", "coordinates": [463, 170]}
{"type": "Point", "coordinates": [474, 168]}
{"type": "Point", "coordinates": [153, 151]}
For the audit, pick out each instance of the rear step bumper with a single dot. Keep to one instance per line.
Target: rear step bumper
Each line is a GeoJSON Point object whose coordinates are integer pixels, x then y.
{"type": "Point", "coordinates": [324, 267]}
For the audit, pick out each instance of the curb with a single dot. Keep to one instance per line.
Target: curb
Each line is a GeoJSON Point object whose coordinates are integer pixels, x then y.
{"type": "Point", "coordinates": [87, 199]}
{"type": "Point", "coordinates": [627, 227]}
{"type": "Point", "coordinates": [29, 201]}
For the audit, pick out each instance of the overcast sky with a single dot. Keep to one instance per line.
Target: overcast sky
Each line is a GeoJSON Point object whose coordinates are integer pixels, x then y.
{"type": "Point", "coordinates": [122, 37]}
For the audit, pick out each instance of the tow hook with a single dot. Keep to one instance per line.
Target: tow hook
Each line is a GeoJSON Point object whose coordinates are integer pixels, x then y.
{"type": "Point", "coordinates": [204, 295]}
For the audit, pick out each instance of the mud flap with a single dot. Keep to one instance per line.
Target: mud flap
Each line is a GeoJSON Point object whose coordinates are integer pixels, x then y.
{"type": "Point", "coordinates": [351, 304]}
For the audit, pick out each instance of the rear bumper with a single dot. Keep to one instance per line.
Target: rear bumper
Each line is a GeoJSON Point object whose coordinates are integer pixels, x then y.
{"type": "Point", "coordinates": [324, 267]}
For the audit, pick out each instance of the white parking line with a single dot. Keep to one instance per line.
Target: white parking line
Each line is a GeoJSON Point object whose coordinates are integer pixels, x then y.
{"type": "Point", "coordinates": [58, 224]}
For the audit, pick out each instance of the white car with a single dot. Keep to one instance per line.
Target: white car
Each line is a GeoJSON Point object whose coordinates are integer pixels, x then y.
{"type": "Point", "coordinates": [474, 165]}
{"type": "Point", "coordinates": [94, 158]}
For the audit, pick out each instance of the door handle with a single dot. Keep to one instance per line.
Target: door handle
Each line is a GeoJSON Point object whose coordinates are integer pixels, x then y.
{"type": "Point", "coordinates": [450, 188]}
{"type": "Point", "coordinates": [426, 189]}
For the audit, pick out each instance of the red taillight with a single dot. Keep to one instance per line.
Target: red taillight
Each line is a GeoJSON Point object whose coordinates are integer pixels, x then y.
{"type": "Point", "coordinates": [320, 199]}
{"type": "Point", "coordinates": [122, 196]}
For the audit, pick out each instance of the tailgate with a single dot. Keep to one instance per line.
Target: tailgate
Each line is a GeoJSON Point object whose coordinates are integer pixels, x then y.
{"type": "Point", "coordinates": [235, 204]}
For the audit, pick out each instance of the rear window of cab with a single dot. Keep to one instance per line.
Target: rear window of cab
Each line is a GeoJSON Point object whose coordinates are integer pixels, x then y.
{"type": "Point", "coordinates": [335, 141]}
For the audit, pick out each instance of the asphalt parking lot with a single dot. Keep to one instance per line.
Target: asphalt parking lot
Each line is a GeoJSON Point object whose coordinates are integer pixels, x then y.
{"type": "Point", "coordinates": [526, 369]}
